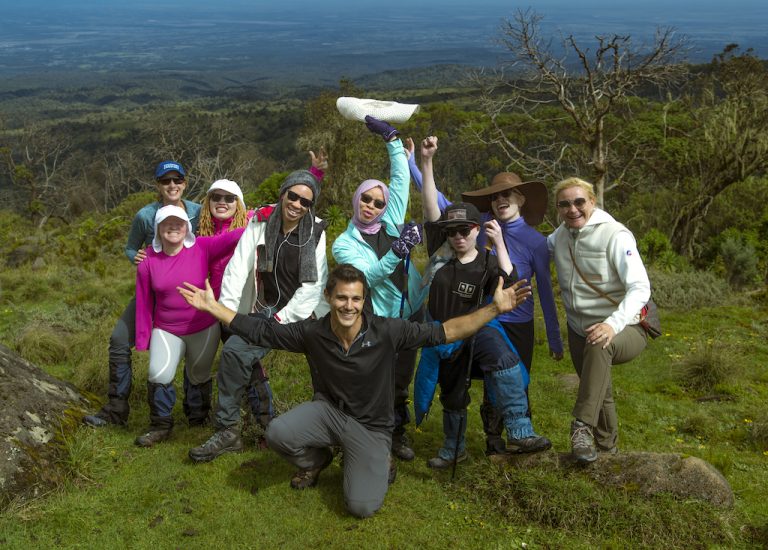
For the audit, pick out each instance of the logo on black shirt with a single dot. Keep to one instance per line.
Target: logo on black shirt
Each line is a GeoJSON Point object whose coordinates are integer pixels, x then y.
{"type": "Point", "coordinates": [466, 290]}
{"type": "Point", "coordinates": [366, 344]}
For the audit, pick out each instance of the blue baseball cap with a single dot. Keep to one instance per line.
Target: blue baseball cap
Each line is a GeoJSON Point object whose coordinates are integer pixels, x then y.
{"type": "Point", "coordinates": [169, 166]}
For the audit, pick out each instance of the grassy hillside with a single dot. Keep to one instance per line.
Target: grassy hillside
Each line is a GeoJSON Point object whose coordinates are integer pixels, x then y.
{"type": "Point", "coordinates": [700, 390]}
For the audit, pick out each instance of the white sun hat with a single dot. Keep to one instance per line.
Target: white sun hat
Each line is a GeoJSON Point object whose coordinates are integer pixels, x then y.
{"type": "Point", "coordinates": [175, 212]}
{"type": "Point", "coordinates": [353, 108]}
{"type": "Point", "coordinates": [230, 187]}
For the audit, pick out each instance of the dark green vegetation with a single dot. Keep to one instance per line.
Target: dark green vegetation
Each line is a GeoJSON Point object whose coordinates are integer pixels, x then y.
{"type": "Point", "coordinates": [74, 172]}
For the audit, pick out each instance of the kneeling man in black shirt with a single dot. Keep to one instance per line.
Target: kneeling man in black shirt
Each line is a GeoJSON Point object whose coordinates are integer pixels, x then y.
{"type": "Point", "coordinates": [350, 357]}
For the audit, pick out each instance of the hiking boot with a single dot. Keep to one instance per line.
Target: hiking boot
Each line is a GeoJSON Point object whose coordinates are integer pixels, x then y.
{"type": "Point", "coordinates": [495, 446]}
{"type": "Point", "coordinates": [304, 479]}
{"type": "Point", "coordinates": [95, 421]}
{"type": "Point", "coordinates": [401, 448]}
{"type": "Point", "coordinates": [392, 470]}
{"type": "Point", "coordinates": [226, 440]}
{"type": "Point", "coordinates": [153, 436]}
{"type": "Point", "coordinates": [583, 446]}
{"type": "Point", "coordinates": [439, 463]}
{"type": "Point", "coordinates": [533, 444]}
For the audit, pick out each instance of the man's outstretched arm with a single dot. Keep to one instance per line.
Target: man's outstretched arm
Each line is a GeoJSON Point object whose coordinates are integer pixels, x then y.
{"type": "Point", "coordinates": [504, 300]}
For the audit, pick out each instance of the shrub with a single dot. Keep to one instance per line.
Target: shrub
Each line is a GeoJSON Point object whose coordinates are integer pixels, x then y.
{"type": "Point", "coordinates": [699, 424]}
{"type": "Point", "coordinates": [739, 259]}
{"type": "Point", "coordinates": [42, 345]}
{"type": "Point", "coordinates": [653, 245]}
{"type": "Point", "coordinates": [688, 290]}
{"type": "Point", "coordinates": [706, 366]}
{"type": "Point", "coordinates": [267, 191]}
{"type": "Point", "coordinates": [758, 432]}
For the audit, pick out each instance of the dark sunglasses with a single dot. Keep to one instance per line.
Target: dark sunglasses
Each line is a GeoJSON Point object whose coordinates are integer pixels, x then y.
{"type": "Point", "coordinates": [463, 230]}
{"type": "Point", "coordinates": [578, 203]}
{"type": "Point", "coordinates": [293, 197]}
{"type": "Point", "coordinates": [367, 199]}
{"type": "Point", "coordinates": [229, 199]}
{"type": "Point", "coordinates": [170, 180]}
{"type": "Point", "coordinates": [503, 194]}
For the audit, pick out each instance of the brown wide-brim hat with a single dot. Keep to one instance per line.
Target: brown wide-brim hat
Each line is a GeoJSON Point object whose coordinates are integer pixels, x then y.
{"type": "Point", "coordinates": [535, 193]}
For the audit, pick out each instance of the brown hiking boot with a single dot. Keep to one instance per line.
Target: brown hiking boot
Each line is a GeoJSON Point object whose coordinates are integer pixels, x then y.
{"type": "Point", "coordinates": [304, 479]}
{"type": "Point", "coordinates": [153, 436]}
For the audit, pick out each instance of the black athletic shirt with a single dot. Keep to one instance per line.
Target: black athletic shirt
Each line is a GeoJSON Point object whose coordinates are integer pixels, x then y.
{"type": "Point", "coordinates": [359, 381]}
{"type": "Point", "coordinates": [280, 285]}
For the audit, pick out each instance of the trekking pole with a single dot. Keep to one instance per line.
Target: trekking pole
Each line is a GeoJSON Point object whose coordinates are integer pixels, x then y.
{"type": "Point", "coordinates": [404, 294]}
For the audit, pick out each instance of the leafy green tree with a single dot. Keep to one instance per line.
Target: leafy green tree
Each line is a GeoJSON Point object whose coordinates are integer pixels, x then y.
{"type": "Point", "coordinates": [729, 142]}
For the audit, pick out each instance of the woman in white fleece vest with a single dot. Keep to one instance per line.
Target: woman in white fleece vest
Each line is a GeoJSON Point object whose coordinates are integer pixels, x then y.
{"type": "Point", "coordinates": [604, 287]}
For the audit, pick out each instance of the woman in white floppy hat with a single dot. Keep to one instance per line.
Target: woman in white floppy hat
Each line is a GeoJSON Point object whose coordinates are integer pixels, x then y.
{"type": "Point", "coordinates": [166, 325]}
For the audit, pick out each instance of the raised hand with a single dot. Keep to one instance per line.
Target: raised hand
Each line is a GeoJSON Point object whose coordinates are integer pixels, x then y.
{"type": "Point", "coordinates": [381, 127]}
{"type": "Point", "coordinates": [428, 147]}
{"type": "Point", "coordinates": [319, 161]}
{"type": "Point", "coordinates": [409, 147]}
{"type": "Point", "coordinates": [409, 237]}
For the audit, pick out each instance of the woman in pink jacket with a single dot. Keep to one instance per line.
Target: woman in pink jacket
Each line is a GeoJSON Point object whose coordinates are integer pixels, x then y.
{"type": "Point", "coordinates": [165, 324]}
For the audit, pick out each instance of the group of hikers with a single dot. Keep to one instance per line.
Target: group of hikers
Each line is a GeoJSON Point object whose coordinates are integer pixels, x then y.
{"type": "Point", "coordinates": [258, 280]}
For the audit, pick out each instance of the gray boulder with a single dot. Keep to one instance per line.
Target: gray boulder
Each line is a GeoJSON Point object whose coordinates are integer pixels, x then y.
{"type": "Point", "coordinates": [37, 411]}
{"type": "Point", "coordinates": [647, 473]}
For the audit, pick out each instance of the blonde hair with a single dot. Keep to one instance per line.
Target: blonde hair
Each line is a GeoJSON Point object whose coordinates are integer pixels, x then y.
{"type": "Point", "coordinates": [206, 228]}
{"type": "Point", "coordinates": [567, 183]}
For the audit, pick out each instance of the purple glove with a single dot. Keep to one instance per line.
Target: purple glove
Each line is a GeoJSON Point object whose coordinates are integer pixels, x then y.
{"type": "Point", "coordinates": [384, 129]}
{"type": "Point", "coordinates": [409, 237]}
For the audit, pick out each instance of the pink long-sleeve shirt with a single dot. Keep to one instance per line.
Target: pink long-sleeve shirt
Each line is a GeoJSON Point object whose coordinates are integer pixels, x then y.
{"type": "Point", "coordinates": [158, 302]}
{"type": "Point", "coordinates": [218, 266]}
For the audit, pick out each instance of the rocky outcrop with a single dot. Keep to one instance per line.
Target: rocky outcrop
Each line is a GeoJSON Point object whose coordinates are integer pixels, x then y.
{"type": "Point", "coordinates": [643, 472]}
{"type": "Point", "coordinates": [36, 413]}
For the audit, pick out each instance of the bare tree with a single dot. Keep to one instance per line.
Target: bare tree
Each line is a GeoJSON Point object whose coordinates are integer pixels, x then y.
{"type": "Point", "coordinates": [587, 84]}
{"type": "Point", "coordinates": [210, 148]}
{"type": "Point", "coordinates": [34, 167]}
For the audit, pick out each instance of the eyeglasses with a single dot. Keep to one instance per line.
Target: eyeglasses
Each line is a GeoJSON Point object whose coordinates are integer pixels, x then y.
{"type": "Point", "coordinates": [293, 197]}
{"type": "Point", "coordinates": [229, 199]}
{"type": "Point", "coordinates": [578, 203]}
{"type": "Point", "coordinates": [170, 180]}
{"type": "Point", "coordinates": [463, 230]}
{"type": "Point", "coordinates": [502, 194]}
{"type": "Point", "coordinates": [367, 199]}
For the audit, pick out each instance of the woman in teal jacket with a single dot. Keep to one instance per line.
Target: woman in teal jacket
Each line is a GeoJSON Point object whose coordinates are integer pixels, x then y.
{"type": "Point", "coordinates": [378, 244]}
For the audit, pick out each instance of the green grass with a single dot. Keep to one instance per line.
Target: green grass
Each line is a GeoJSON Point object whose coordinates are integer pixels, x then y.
{"type": "Point", "coordinates": [114, 494]}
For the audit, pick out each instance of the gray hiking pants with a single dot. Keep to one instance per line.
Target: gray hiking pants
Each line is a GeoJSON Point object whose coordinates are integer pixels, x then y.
{"type": "Point", "coordinates": [236, 365]}
{"type": "Point", "coordinates": [300, 435]}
